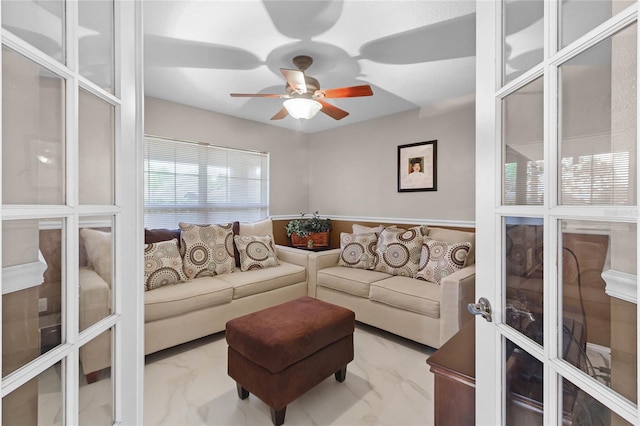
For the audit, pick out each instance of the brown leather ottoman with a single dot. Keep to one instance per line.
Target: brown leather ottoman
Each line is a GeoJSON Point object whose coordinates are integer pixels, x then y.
{"type": "Point", "coordinates": [281, 352]}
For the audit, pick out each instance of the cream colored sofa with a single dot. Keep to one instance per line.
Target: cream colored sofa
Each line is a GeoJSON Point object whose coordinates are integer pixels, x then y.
{"type": "Point", "coordinates": [175, 314]}
{"type": "Point", "coordinates": [418, 310]}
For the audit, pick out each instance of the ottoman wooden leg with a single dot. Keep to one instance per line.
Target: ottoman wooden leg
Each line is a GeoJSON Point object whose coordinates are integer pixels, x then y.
{"type": "Point", "coordinates": [242, 392]}
{"type": "Point", "coordinates": [277, 416]}
{"type": "Point", "coordinates": [341, 374]}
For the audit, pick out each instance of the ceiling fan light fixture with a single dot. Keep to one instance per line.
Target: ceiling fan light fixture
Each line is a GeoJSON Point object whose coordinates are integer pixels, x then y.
{"type": "Point", "coordinates": [302, 108]}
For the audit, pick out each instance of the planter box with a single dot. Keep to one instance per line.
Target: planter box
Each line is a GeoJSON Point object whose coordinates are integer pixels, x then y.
{"type": "Point", "coordinates": [320, 239]}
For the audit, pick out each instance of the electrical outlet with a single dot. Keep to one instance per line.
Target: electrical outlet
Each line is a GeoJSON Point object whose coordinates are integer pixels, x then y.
{"type": "Point", "coordinates": [42, 304]}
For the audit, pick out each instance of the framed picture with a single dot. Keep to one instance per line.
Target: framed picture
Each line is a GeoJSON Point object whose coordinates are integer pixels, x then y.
{"type": "Point", "coordinates": [417, 169]}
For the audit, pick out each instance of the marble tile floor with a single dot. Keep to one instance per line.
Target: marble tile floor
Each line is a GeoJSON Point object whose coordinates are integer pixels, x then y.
{"type": "Point", "coordinates": [388, 383]}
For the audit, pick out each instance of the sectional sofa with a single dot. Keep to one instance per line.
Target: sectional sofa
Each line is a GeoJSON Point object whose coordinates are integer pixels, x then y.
{"type": "Point", "coordinates": [178, 313]}
{"type": "Point", "coordinates": [201, 304]}
{"type": "Point", "coordinates": [424, 311]}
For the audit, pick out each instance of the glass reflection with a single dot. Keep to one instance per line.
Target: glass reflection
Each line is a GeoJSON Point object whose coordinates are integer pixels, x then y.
{"type": "Point", "coordinates": [96, 150]}
{"type": "Point", "coordinates": [33, 132]}
{"type": "Point", "coordinates": [523, 37]}
{"type": "Point", "coordinates": [96, 55]}
{"type": "Point", "coordinates": [577, 17]}
{"type": "Point", "coordinates": [31, 290]}
{"type": "Point", "coordinates": [96, 269]}
{"type": "Point", "coordinates": [96, 389]}
{"type": "Point", "coordinates": [39, 23]}
{"type": "Point", "coordinates": [523, 386]}
{"type": "Point", "coordinates": [523, 149]}
{"type": "Point", "coordinates": [598, 121]}
{"type": "Point", "coordinates": [583, 410]}
{"type": "Point", "coordinates": [37, 402]}
{"type": "Point", "coordinates": [523, 276]}
{"type": "Point", "coordinates": [598, 311]}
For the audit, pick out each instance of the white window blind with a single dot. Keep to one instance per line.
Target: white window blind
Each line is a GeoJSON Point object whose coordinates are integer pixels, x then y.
{"type": "Point", "coordinates": [200, 183]}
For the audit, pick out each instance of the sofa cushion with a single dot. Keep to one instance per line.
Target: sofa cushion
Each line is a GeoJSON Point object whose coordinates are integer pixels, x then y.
{"type": "Point", "coordinates": [421, 297]}
{"type": "Point", "coordinates": [349, 280]}
{"type": "Point", "coordinates": [358, 250]}
{"type": "Point", "coordinates": [440, 258]}
{"type": "Point", "coordinates": [177, 299]}
{"type": "Point", "coordinates": [98, 245]}
{"type": "Point", "coordinates": [256, 252]}
{"type": "Point", "coordinates": [454, 236]}
{"type": "Point", "coordinates": [398, 251]}
{"type": "Point", "coordinates": [261, 280]}
{"type": "Point", "coordinates": [162, 264]}
{"type": "Point", "coordinates": [207, 249]}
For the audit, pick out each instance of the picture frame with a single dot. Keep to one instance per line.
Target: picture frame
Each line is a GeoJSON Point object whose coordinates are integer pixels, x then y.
{"type": "Point", "coordinates": [417, 167]}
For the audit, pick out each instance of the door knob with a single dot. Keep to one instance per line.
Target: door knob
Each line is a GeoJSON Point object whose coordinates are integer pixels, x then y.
{"type": "Point", "coordinates": [483, 307]}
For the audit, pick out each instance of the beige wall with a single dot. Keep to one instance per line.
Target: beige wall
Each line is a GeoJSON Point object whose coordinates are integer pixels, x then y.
{"type": "Point", "coordinates": [355, 168]}
{"type": "Point", "coordinates": [350, 171]}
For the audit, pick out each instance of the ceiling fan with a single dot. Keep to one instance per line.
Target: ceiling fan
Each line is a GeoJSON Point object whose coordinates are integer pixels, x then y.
{"type": "Point", "coordinates": [304, 98]}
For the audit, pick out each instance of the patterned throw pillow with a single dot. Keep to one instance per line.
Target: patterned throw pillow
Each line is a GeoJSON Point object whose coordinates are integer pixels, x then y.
{"type": "Point", "coordinates": [256, 252]}
{"type": "Point", "coordinates": [207, 249]}
{"type": "Point", "coordinates": [440, 259]}
{"type": "Point", "coordinates": [162, 264]}
{"type": "Point", "coordinates": [358, 250]}
{"type": "Point", "coordinates": [398, 251]}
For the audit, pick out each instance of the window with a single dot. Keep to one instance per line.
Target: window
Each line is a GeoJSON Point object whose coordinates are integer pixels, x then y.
{"type": "Point", "coordinates": [200, 183]}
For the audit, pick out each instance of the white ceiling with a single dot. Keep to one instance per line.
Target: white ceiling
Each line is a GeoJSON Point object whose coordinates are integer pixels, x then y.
{"type": "Point", "coordinates": [414, 54]}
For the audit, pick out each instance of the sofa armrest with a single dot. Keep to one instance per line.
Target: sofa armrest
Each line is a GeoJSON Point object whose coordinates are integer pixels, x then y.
{"type": "Point", "coordinates": [456, 291]}
{"type": "Point", "coordinates": [95, 304]}
{"type": "Point", "coordinates": [293, 255]}
{"type": "Point", "coordinates": [95, 298]}
{"type": "Point", "coordinates": [320, 260]}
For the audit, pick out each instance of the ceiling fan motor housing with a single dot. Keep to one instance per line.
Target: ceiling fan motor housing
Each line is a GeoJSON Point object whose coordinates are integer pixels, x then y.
{"type": "Point", "coordinates": [312, 86]}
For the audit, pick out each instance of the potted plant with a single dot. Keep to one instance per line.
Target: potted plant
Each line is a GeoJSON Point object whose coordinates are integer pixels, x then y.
{"type": "Point", "coordinates": [310, 231]}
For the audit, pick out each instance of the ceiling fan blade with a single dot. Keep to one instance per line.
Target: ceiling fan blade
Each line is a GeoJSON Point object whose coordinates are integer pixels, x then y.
{"type": "Point", "coordinates": [348, 92]}
{"type": "Point", "coordinates": [295, 78]}
{"type": "Point", "coordinates": [257, 95]}
{"type": "Point", "coordinates": [280, 114]}
{"type": "Point", "coordinates": [333, 111]}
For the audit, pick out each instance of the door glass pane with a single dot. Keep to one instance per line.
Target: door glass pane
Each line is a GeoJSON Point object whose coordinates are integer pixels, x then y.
{"type": "Point", "coordinates": [598, 268]}
{"type": "Point", "coordinates": [598, 123]}
{"type": "Point", "coordinates": [96, 386]}
{"type": "Point", "coordinates": [96, 148]}
{"type": "Point", "coordinates": [96, 269]}
{"type": "Point", "coordinates": [579, 408]}
{"type": "Point", "coordinates": [96, 42]}
{"type": "Point", "coordinates": [33, 132]}
{"type": "Point", "coordinates": [40, 23]}
{"type": "Point", "coordinates": [31, 290]}
{"type": "Point", "coordinates": [577, 17]}
{"type": "Point", "coordinates": [523, 153]}
{"type": "Point", "coordinates": [522, 43]}
{"type": "Point", "coordinates": [37, 402]}
{"type": "Point", "coordinates": [523, 267]}
{"type": "Point", "coordinates": [523, 387]}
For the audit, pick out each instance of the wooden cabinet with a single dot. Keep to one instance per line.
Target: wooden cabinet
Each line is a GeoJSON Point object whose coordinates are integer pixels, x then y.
{"type": "Point", "coordinates": [454, 370]}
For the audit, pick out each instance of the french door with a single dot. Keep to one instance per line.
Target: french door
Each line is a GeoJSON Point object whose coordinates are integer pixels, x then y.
{"type": "Point", "coordinates": [72, 346]}
{"type": "Point", "coordinates": [557, 212]}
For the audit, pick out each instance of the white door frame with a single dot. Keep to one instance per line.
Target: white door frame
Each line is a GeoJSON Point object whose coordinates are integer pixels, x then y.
{"type": "Point", "coordinates": [489, 214]}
